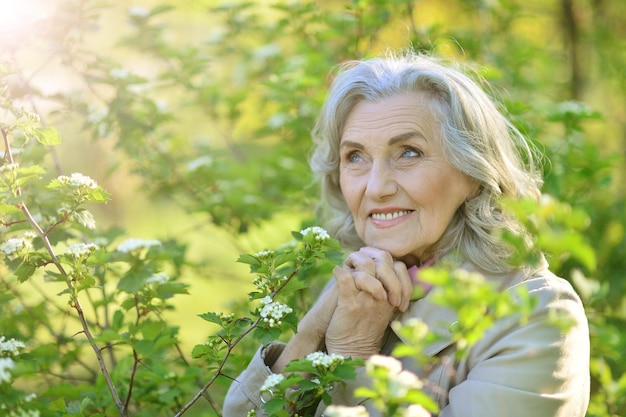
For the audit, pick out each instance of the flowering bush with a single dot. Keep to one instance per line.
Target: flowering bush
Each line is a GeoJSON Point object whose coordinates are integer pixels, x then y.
{"type": "Point", "coordinates": [86, 324]}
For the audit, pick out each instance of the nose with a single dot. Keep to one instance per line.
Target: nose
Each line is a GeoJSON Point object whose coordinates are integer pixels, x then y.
{"type": "Point", "coordinates": [381, 182]}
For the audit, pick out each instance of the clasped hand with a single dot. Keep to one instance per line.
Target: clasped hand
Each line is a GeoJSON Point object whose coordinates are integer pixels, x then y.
{"type": "Point", "coordinates": [352, 316]}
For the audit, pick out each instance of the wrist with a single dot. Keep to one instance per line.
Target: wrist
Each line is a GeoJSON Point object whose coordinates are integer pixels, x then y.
{"type": "Point", "coordinates": [300, 345]}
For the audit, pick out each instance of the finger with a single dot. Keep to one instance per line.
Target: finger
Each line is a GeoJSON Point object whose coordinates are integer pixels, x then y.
{"type": "Point", "coordinates": [394, 280]}
{"type": "Point", "coordinates": [360, 261]}
{"type": "Point", "coordinates": [350, 283]}
{"type": "Point", "coordinates": [406, 284]}
{"type": "Point", "coordinates": [369, 284]}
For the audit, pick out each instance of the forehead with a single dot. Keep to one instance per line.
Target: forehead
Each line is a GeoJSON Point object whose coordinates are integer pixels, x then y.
{"type": "Point", "coordinates": [392, 115]}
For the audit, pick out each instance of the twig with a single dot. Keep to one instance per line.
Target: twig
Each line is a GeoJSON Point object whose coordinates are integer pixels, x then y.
{"type": "Point", "coordinates": [231, 346]}
{"type": "Point", "coordinates": [75, 302]}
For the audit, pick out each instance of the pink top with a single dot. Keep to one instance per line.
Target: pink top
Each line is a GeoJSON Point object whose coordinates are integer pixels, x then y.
{"type": "Point", "coordinates": [421, 288]}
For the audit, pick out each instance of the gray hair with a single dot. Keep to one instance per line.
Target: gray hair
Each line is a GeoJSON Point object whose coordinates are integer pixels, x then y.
{"type": "Point", "coordinates": [478, 140]}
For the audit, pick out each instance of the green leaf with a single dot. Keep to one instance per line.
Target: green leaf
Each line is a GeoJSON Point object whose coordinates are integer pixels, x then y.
{"type": "Point", "coordinates": [25, 271]}
{"type": "Point", "coordinates": [47, 135]}
{"type": "Point", "coordinates": [275, 407]}
{"type": "Point", "coordinates": [251, 260]}
{"type": "Point", "coordinates": [266, 335]}
{"type": "Point", "coordinates": [133, 281]}
{"type": "Point", "coordinates": [211, 317]}
{"type": "Point", "coordinates": [199, 351]}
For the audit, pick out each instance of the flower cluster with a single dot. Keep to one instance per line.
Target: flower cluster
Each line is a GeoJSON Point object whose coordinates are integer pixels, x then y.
{"type": "Point", "coordinates": [273, 311]}
{"type": "Point", "coordinates": [11, 346]}
{"type": "Point", "coordinates": [319, 233]}
{"type": "Point", "coordinates": [14, 245]}
{"type": "Point", "coordinates": [157, 279]}
{"type": "Point", "coordinates": [399, 381]}
{"type": "Point", "coordinates": [266, 284]}
{"type": "Point", "coordinates": [11, 168]}
{"type": "Point", "coordinates": [6, 364]}
{"type": "Point", "coordinates": [77, 180]}
{"type": "Point", "coordinates": [226, 317]}
{"type": "Point", "coordinates": [323, 360]}
{"type": "Point", "coordinates": [344, 411]}
{"type": "Point", "coordinates": [271, 381]}
{"type": "Point", "coordinates": [133, 244]}
{"type": "Point", "coordinates": [138, 11]}
{"type": "Point", "coordinates": [79, 250]}
{"type": "Point", "coordinates": [214, 342]}
{"type": "Point", "coordinates": [119, 73]}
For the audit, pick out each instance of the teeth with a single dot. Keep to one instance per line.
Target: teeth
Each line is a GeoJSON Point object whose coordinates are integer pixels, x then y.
{"type": "Point", "coordinates": [389, 216]}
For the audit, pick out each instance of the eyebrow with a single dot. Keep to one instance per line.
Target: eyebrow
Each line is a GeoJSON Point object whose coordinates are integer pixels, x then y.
{"type": "Point", "coordinates": [393, 140]}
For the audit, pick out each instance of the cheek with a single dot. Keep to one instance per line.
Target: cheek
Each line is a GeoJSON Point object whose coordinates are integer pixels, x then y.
{"type": "Point", "coordinates": [349, 192]}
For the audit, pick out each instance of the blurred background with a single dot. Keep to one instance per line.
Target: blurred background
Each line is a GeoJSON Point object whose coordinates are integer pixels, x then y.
{"type": "Point", "coordinates": [195, 116]}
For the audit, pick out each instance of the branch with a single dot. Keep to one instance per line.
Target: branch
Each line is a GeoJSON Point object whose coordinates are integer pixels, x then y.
{"type": "Point", "coordinates": [75, 302]}
{"type": "Point", "coordinates": [231, 346]}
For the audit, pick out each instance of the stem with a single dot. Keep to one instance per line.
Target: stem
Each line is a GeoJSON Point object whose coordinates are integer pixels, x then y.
{"type": "Point", "coordinates": [231, 346]}
{"type": "Point", "coordinates": [219, 370]}
{"type": "Point", "coordinates": [75, 302]}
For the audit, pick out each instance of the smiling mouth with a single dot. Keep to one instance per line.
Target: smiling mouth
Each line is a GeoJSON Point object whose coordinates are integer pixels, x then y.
{"type": "Point", "coordinates": [390, 216]}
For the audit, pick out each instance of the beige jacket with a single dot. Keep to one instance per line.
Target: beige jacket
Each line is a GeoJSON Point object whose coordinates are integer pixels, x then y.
{"type": "Point", "coordinates": [530, 370]}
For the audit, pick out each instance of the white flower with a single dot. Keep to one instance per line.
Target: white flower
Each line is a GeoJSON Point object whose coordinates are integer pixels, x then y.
{"type": "Point", "coordinates": [401, 383]}
{"type": "Point", "coordinates": [319, 233]}
{"type": "Point", "coordinates": [203, 161]}
{"type": "Point", "coordinates": [119, 73]}
{"type": "Point", "coordinates": [271, 381]}
{"type": "Point", "coordinates": [158, 279]}
{"type": "Point", "coordinates": [11, 345]}
{"type": "Point", "coordinates": [77, 180]}
{"type": "Point", "coordinates": [138, 11]}
{"type": "Point", "coordinates": [96, 114]}
{"type": "Point", "coordinates": [264, 253]}
{"type": "Point", "coordinates": [78, 250]}
{"type": "Point", "coordinates": [228, 317]}
{"type": "Point", "coordinates": [6, 364]}
{"type": "Point", "coordinates": [9, 167]}
{"type": "Point", "coordinates": [273, 311]}
{"type": "Point", "coordinates": [132, 244]}
{"type": "Point", "coordinates": [15, 244]}
{"type": "Point", "coordinates": [161, 106]}
{"type": "Point", "coordinates": [416, 410]}
{"type": "Point", "coordinates": [321, 359]}
{"type": "Point", "coordinates": [344, 411]}
{"type": "Point", "coordinates": [393, 365]}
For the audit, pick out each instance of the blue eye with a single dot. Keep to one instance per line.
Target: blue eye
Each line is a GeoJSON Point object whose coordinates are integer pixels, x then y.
{"type": "Point", "coordinates": [410, 152]}
{"type": "Point", "coordinates": [353, 156]}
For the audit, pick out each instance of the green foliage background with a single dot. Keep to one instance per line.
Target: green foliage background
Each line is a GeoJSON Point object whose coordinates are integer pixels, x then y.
{"type": "Point", "coordinates": [195, 117]}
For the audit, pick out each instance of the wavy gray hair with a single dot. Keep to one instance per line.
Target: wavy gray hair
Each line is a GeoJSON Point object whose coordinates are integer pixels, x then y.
{"type": "Point", "coordinates": [477, 140]}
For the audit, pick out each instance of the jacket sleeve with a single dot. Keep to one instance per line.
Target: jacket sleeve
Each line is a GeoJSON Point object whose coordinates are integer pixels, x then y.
{"type": "Point", "coordinates": [537, 369]}
{"type": "Point", "coordinates": [243, 395]}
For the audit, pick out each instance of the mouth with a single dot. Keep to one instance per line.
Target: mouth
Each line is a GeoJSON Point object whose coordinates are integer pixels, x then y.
{"type": "Point", "coordinates": [390, 215]}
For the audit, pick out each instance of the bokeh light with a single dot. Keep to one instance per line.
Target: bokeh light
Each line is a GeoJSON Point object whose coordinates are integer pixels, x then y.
{"type": "Point", "coordinates": [18, 18]}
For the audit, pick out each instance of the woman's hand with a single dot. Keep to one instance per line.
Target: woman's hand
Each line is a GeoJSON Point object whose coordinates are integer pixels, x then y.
{"type": "Point", "coordinates": [391, 280]}
{"type": "Point", "coordinates": [372, 288]}
{"type": "Point", "coordinates": [311, 330]}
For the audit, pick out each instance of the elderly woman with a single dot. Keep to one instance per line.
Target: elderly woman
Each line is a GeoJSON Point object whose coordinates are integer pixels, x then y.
{"type": "Point", "coordinates": [414, 159]}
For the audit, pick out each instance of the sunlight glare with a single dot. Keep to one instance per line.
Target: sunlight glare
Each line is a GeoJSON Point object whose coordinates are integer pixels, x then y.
{"type": "Point", "coordinates": [17, 18]}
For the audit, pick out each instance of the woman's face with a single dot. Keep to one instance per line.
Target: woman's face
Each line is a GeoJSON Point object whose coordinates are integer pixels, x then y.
{"type": "Point", "coordinates": [400, 189]}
